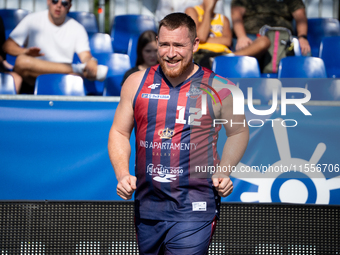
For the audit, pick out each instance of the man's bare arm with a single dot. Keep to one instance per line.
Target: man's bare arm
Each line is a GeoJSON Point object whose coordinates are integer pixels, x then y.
{"type": "Point", "coordinates": [90, 70]}
{"type": "Point", "coordinates": [234, 148]}
{"type": "Point", "coordinates": [302, 28]}
{"type": "Point", "coordinates": [12, 48]}
{"type": "Point", "coordinates": [119, 138]}
{"type": "Point", "coordinates": [243, 41]}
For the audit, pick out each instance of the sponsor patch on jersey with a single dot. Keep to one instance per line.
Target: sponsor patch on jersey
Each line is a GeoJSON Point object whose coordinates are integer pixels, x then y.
{"type": "Point", "coordinates": [194, 93]}
{"type": "Point", "coordinates": [153, 86]}
{"type": "Point", "coordinates": [166, 133]}
{"type": "Point", "coordinates": [199, 206]}
{"type": "Point", "coordinates": [155, 96]}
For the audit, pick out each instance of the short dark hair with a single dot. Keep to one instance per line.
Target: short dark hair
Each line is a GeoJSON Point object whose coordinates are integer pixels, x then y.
{"type": "Point", "coordinates": [179, 19]}
{"type": "Point", "coordinates": [145, 38]}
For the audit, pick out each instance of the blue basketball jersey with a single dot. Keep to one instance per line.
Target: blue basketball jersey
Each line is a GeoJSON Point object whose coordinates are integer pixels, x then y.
{"type": "Point", "coordinates": [175, 137]}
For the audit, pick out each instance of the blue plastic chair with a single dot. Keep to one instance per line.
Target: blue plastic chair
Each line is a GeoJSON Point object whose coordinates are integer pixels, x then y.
{"type": "Point", "coordinates": [11, 18]}
{"type": "Point", "coordinates": [100, 43]}
{"type": "Point", "coordinates": [125, 26]}
{"type": "Point", "coordinates": [118, 64]}
{"type": "Point", "coordinates": [236, 67]}
{"type": "Point", "coordinates": [59, 84]}
{"type": "Point", "coordinates": [87, 19]}
{"type": "Point", "coordinates": [7, 84]}
{"type": "Point", "coordinates": [324, 89]}
{"type": "Point", "coordinates": [302, 67]}
{"type": "Point", "coordinates": [329, 53]}
{"type": "Point", "coordinates": [132, 49]}
{"type": "Point", "coordinates": [318, 28]}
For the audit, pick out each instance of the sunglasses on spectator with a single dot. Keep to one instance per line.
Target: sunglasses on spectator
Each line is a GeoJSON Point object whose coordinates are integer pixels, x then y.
{"type": "Point", "coordinates": [63, 2]}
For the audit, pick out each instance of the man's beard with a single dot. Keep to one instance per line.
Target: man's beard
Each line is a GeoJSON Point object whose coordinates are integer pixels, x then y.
{"type": "Point", "coordinates": [171, 72]}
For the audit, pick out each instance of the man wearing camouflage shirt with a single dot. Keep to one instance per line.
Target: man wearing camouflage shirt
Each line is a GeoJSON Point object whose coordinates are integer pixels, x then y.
{"type": "Point", "coordinates": [249, 16]}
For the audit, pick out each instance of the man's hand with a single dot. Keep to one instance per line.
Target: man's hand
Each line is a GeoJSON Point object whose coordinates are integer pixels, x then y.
{"type": "Point", "coordinates": [243, 42]}
{"type": "Point", "coordinates": [224, 186]}
{"type": "Point", "coordinates": [304, 46]}
{"type": "Point", "coordinates": [33, 52]}
{"type": "Point", "coordinates": [126, 186]}
{"type": "Point", "coordinates": [90, 70]}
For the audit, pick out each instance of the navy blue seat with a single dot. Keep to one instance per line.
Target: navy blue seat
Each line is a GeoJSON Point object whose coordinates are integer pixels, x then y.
{"type": "Point", "coordinates": [318, 28]}
{"type": "Point", "coordinates": [118, 64]}
{"type": "Point", "coordinates": [11, 18]}
{"type": "Point", "coordinates": [329, 53]}
{"type": "Point", "coordinates": [87, 19]}
{"type": "Point", "coordinates": [302, 67]}
{"type": "Point", "coordinates": [59, 84]}
{"type": "Point", "coordinates": [7, 84]}
{"type": "Point", "coordinates": [236, 67]}
{"type": "Point", "coordinates": [100, 43]}
{"type": "Point", "coordinates": [126, 26]}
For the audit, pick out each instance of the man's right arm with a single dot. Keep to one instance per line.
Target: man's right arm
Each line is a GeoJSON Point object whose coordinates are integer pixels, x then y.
{"type": "Point", "coordinates": [12, 48]}
{"type": "Point", "coordinates": [119, 138]}
{"type": "Point", "coordinates": [237, 13]}
{"type": "Point", "coordinates": [18, 37]}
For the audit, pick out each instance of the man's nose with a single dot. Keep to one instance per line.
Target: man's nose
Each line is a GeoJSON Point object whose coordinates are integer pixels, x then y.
{"type": "Point", "coordinates": [172, 52]}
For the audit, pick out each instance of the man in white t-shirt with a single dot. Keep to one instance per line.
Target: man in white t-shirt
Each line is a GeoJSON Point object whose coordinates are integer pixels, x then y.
{"type": "Point", "coordinates": [45, 42]}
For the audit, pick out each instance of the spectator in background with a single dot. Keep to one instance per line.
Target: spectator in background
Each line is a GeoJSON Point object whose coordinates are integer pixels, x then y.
{"type": "Point", "coordinates": [146, 53]}
{"type": "Point", "coordinates": [5, 67]}
{"type": "Point", "coordinates": [165, 7]}
{"type": "Point", "coordinates": [214, 33]}
{"type": "Point", "coordinates": [248, 16]}
{"type": "Point", "coordinates": [50, 39]}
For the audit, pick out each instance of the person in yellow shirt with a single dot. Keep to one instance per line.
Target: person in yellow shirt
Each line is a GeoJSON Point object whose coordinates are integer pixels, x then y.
{"type": "Point", "coordinates": [214, 33]}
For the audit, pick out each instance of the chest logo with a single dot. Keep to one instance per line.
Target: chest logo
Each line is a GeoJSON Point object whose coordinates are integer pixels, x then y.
{"type": "Point", "coordinates": [154, 86]}
{"type": "Point", "coordinates": [166, 133]}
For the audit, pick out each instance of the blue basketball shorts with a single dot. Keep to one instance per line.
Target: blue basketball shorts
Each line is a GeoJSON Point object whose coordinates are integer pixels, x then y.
{"type": "Point", "coordinates": [174, 238]}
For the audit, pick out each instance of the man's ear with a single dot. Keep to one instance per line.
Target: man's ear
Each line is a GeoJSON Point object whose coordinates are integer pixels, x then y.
{"type": "Point", "coordinates": [196, 43]}
{"type": "Point", "coordinates": [69, 8]}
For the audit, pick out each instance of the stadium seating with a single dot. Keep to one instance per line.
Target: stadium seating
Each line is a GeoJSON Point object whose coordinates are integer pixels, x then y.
{"type": "Point", "coordinates": [118, 64]}
{"type": "Point", "coordinates": [59, 84]}
{"type": "Point", "coordinates": [329, 53]}
{"type": "Point", "coordinates": [302, 67]}
{"type": "Point", "coordinates": [11, 18]}
{"type": "Point", "coordinates": [126, 26]}
{"type": "Point", "coordinates": [318, 28]}
{"type": "Point", "coordinates": [132, 49]}
{"type": "Point", "coordinates": [236, 67]}
{"type": "Point", "coordinates": [7, 84]}
{"type": "Point", "coordinates": [100, 43]}
{"type": "Point", "coordinates": [87, 19]}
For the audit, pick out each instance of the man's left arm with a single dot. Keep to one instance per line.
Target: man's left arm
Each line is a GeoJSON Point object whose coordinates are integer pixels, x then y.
{"type": "Point", "coordinates": [90, 70]}
{"type": "Point", "coordinates": [302, 28]}
{"type": "Point", "coordinates": [238, 135]}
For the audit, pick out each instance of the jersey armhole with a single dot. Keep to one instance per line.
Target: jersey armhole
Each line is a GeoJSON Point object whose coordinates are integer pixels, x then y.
{"type": "Point", "coordinates": [140, 86]}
